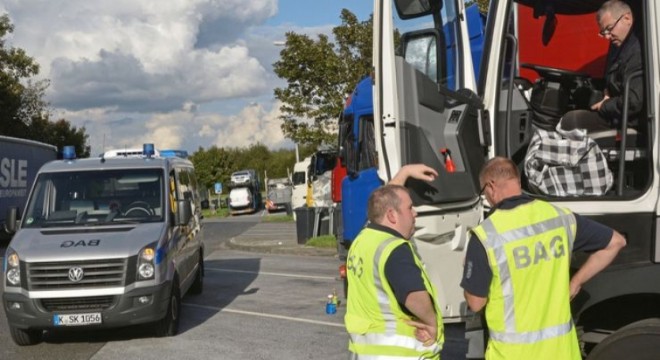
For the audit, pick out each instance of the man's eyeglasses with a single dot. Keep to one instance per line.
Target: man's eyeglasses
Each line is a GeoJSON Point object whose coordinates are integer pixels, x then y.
{"type": "Point", "coordinates": [608, 30]}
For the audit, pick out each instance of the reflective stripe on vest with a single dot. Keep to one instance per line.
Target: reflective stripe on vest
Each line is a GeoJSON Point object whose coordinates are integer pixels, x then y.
{"type": "Point", "coordinates": [393, 340]}
{"type": "Point", "coordinates": [354, 356]}
{"type": "Point", "coordinates": [496, 242]}
{"type": "Point", "coordinates": [381, 295]}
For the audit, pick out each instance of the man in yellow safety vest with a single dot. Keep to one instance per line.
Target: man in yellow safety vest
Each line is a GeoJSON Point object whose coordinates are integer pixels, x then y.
{"type": "Point", "coordinates": [517, 267]}
{"type": "Point", "coordinates": [393, 310]}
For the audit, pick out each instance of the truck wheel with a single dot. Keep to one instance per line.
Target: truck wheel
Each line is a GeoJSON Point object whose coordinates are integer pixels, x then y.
{"type": "Point", "coordinates": [198, 285]}
{"type": "Point", "coordinates": [641, 338]}
{"type": "Point", "coordinates": [169, 325]}
{"type": "Point", "coordinates": [24, 337]}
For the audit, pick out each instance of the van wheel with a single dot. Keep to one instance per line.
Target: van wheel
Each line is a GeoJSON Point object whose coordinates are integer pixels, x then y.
{"type": "Point", "coordinates": [198, 285]}
{"type": "Point", "coordinates": [641, 338]}
{"type": "Point", "coordinates": [169, 325]}
{"type": "Point", "coordinates": [24, 337]}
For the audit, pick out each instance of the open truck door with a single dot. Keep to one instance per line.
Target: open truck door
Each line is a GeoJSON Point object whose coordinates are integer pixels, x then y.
{"type": "Point", "coordinates": [426, 111]}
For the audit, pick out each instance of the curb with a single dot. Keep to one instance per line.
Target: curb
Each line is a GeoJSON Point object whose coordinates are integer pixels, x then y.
{"type": "Point", "coordinates": [278, 247]}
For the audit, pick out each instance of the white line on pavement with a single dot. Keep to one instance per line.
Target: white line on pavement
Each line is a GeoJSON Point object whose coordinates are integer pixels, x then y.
{"type": "Point", "coordinates": [273, 274]}
{"type": "Point", "coordinates": [273, 316]}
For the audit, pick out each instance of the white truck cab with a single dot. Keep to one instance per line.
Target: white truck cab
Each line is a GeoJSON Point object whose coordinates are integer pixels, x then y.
{"type": "Point", "coordinates": [541, 58]}
{"type": "Point", "coordinates": [104, 243]}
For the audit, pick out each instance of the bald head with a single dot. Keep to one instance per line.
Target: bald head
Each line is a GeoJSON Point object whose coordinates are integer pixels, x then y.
{"type": "Point", "coordinates": [499, 168]}
{"type": "Point", "coordinates": [500, 180]}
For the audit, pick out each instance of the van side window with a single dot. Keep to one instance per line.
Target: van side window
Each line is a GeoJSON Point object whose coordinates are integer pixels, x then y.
{"type": "Point", "coordinates": [173, 192]}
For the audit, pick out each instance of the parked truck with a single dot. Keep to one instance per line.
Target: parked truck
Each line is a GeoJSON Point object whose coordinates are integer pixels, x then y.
{"type": "Point", "coordinates": [20, 160]}
{"type": "Point", "coordinates": [357, 141]}
{"type": "Point", "coordinates": [278, 194]}
{"type": "Point", "coordinates": [245, 194]}
{"type": "Point", "coordinates": [541, 58]}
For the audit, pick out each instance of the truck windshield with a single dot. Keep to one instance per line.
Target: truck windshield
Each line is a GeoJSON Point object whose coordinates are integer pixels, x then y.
{"type": "Point", "coordinates": [96, 198]}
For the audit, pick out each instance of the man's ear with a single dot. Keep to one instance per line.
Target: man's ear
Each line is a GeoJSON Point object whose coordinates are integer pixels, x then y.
{"type": "Point", "coordinates": [391, 216]}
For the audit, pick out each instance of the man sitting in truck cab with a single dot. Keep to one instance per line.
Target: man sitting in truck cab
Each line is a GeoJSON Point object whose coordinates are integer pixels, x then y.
{"type": "Point", "coordinates": [615, 20]}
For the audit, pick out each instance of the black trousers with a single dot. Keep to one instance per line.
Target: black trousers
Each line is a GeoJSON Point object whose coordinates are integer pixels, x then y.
{"type": "Point", "coordinates": [584, 119]}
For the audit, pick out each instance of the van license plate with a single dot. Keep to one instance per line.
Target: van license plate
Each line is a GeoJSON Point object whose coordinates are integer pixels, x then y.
{"type": "Point", "coordinates": [76, 319]}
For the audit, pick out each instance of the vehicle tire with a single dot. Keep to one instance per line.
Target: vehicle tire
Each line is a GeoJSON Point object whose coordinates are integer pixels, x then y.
{"type": "Point", "coordinates": [24, 337]}
{"type": "Point", "coordinates": [640, 338]}
{"type": "Point", "coordinates": [198, 285]}
{"type": "Point", "coordinates": [169, 325]}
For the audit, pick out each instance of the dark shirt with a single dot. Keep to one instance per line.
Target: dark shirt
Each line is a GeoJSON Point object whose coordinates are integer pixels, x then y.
{"type": "Point", "coordinates": [590, 236]}
{"type": "Point", "coordinates": [621, 62]}
{"type": "Point", "coordinates": [401, 271]}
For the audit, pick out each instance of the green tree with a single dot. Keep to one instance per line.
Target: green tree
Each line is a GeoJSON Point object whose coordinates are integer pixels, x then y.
{"type": "Point", "coordinates": [482, 4]}
{"type": "Point", "coordinates": [24, 111]}
{"type": "Point", "coordinates": [319, 75]}
{"type": "Point", "coordinates": [15, 66]}
{"type": "Point", "coordinates": [281, 163]}
{"type": "Point", "coordinates": [213, 165]}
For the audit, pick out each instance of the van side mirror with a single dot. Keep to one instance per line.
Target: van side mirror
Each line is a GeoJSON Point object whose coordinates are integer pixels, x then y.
{"type": "Point", "coordinates": [184, 212]}
{"type": "Point", "coordinates": [11, 221]}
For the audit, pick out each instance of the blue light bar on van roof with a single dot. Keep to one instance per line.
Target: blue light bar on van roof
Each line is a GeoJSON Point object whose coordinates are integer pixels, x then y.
{"type": "Point", "coordinates": [148, 150]}
{"type": "Point", "coordinates": [69, 152]}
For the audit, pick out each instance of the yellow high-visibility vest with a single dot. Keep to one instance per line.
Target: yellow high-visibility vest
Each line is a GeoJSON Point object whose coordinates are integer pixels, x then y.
{"type": "Point", "coordinates": [528, 311]}
{"type": "Point", "coordinates": [374, 319]}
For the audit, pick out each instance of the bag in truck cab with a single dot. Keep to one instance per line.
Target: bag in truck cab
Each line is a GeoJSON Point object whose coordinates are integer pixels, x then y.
{"type": "Point", "coordinates": [566, 163]}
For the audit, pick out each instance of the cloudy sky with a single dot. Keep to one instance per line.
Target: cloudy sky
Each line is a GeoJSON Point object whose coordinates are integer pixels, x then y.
{"type": "Point", "coordinates": [178, 73]}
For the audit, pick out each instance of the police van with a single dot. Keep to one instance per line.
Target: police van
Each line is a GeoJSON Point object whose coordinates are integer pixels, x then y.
{"type": "Point", "coordinates": [104, 242]}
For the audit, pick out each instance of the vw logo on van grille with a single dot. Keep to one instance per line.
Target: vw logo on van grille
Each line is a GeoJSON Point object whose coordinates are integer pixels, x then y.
{"type": "Point", "coordinates": [76, 274]}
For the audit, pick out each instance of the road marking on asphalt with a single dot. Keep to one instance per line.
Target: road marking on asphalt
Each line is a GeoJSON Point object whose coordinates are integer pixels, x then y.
{"type": "Point", "coordinates": [272, 316]}
{"type": "Point", "coordinates": [272, 274]}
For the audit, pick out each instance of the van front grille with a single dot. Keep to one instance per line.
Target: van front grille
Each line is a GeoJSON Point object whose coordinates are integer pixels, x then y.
{"type": "Point", "coordinates": [62, 275]}
{"type": "Point", "coordinates": [78, 304]}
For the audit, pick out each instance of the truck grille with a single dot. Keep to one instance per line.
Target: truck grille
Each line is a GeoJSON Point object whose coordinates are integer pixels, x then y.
{"type": "Point", "coordinates": [78, 304]}
{"type": "Point", "coordinates": [96, 274]}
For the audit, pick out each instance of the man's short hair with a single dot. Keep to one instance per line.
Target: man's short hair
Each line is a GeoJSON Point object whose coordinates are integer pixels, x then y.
{"type": "Point", "coordinates": [382, 199]}
{"type": "Point", "coordinates": [498, 168]}
{"type": "Point", "coordinates": [616, 8]}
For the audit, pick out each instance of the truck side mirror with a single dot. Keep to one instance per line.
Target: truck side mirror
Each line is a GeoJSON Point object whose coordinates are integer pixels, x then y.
{"type": "Point", "coordinates": [184, 212]}
{"type": "Point", "coordinates": [11, 221]}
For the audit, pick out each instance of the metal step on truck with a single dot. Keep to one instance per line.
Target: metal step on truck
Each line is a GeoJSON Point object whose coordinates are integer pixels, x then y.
{"type": "Point", "coordinates": [541, 58]}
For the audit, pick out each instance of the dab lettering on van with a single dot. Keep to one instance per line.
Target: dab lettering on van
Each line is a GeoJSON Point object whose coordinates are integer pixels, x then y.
{"type": "Point", "coordinates": [104, 243]}
{"type": "Point", "coordinates": [70, 243]}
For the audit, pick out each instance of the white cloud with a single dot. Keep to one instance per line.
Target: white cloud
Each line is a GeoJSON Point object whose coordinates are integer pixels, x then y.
{"type": "Point", "coordinates": [183, 129]}
{"type": "Point", "coordinates": [140, 55]}
{"type": "Point", "coordinates": [178, 73]}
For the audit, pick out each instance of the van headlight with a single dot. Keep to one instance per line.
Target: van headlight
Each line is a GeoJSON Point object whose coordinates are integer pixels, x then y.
{"type": "Point", "coordinates": [12, 268]}
{"type": "Point", "coordinates": [146, 267]}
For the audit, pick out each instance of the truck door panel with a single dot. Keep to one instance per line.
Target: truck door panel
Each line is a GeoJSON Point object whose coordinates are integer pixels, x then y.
{"type": "Point", "coordinates": [432, 121]}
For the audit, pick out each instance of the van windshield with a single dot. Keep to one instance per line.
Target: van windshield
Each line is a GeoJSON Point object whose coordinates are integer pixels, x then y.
{"type": "Point", "coordinates": [96, 198]}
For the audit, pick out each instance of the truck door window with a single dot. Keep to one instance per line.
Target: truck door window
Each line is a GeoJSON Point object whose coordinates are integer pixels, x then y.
{"type": "Point", "coordinates": [432, 52]}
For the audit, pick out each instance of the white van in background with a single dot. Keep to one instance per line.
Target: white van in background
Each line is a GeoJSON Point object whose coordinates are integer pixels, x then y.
{"type": "Point", "coordinates": [299, 180]}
